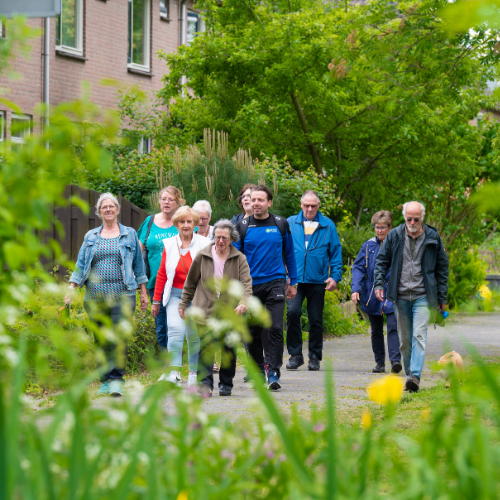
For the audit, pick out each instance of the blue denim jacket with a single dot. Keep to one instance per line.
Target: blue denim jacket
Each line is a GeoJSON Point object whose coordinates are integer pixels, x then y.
{"type": "Point", "coordinates": [133, 270]}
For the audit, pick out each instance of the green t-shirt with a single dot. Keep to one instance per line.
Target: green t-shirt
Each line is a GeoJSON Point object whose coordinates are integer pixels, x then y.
{"type": "Point", "coordinates": [154, 245]}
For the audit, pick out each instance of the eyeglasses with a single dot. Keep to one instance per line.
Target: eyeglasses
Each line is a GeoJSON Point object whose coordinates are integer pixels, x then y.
{"type": "Point", "coordinates": [311, 206]}
{"type": "Point", "coordinates": [171, 200]}
{"type": "Point", "coordinates": [109, 207]}
{"type": "Point", "coordinates": [222, 238]}
{"type": "Point", "coordinates": [245, 196]}
{"type": "Point", "coordinates": [415, 219]}
{"type": "Point", "coordinates": [203, 219]}
{"type": "Point", "coordinates": [381, 228]}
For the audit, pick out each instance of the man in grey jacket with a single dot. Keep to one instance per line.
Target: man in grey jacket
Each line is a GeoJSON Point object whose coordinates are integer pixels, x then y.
{"type": "Point", "coordinates": [418, 284]}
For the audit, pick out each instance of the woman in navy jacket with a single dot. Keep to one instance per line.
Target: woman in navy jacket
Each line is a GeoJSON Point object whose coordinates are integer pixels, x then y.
{"type": "Point", "coordinates": [363, 271]}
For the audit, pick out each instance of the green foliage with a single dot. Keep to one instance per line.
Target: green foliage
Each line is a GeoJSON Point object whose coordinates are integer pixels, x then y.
{"type": "Point", "coordinates": [337, 321]}
{"type": "Point", "coordinates": [352, 238]}
{"type": "Point", "coordinates": [467, 274]}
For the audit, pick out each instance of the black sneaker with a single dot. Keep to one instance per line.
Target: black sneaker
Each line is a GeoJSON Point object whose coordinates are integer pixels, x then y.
{"type": "Point", "coordinates": [379, 369]}
{"type": "Point", "coordinates": [396, 367]}
{"type": "Point", "coordinates": [313, 363]}
{"type": "Point", "coordinates": [412, 384]}
{"type": "Point", "coordinates": [295, 361]}
{"type": "Point", "coordinates": [224, 390]}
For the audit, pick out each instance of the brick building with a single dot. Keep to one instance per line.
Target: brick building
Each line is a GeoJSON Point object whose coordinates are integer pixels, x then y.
{"type": "Point", "coordinates": [92, 40]}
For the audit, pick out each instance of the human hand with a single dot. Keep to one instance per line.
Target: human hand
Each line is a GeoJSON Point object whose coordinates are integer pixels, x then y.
{"type": "Point", "coordinates": [182, 313]}
{"type": "Point", "coordinates": [69, 296]}
{"type": "Point", "coordinates": [144, 301]}
{"type": "Point", "coordinates": [355, 297]}
{"type": "Point", "coordinates": [332, 284]}
{"type": "Point", "coordinates": [291, 292]}
{"type": "Point", "coordinates": [442, 307]}
{"type": "Point", "coordinates": [379, 294]}
{"type": "Point", "coordinates": [241, 309]}
{"type": "Point", "coordinates": [155, 309]}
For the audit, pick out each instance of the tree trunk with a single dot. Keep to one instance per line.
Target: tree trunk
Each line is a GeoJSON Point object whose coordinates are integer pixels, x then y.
{"type": "Point", "coordinates": [303, 124]}
{"type": "Point", "coordinates": [359, 209]}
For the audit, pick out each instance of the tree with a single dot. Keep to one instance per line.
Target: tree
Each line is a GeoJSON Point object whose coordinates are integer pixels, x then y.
{"type": "Point", "coordinates": [374, 94]}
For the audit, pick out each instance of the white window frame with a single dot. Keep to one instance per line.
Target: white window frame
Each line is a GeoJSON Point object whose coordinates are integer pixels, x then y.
{"type": "Point", "coordinates": [2, 125]}
{"type": "Point", "coordinates": [164, 14]}
{"type": "Point", "coordinates": [20, 140]}
{"type": "Point", "coordinates": [147, 37]}
{"type": "Point", "coordinates": [2, 29]}
{"type": "Point", "coordinates": [78, 51]}
{"type": "Point", "coordinates": [198, 22]}
{"type": "Point", "coordinates": [144, 146]}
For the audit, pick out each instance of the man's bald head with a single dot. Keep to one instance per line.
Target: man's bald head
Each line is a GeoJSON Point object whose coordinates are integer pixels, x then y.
{"type": "Point", "coordinates": [414, 213]}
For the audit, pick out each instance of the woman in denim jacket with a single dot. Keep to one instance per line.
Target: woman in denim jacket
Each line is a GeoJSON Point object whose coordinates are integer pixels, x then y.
{"type": "Point", "coordinates": [111, 268]}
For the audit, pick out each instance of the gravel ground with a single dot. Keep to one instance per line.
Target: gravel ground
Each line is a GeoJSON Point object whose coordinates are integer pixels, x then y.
{"type": "Point", "coordinates": [352, 361]}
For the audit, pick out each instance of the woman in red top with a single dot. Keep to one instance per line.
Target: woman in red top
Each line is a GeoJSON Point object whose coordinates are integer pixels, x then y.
{"type": "Point", "coordinates": [178, 254]}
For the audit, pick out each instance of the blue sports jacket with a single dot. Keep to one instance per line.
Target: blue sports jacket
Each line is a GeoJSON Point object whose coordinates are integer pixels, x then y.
{"type": "Point", "coordinates": [323, 258]}
{"type": "Point", "coordinates": [363, 274]}
{"type": "Point", "coordinates": [133, 269]}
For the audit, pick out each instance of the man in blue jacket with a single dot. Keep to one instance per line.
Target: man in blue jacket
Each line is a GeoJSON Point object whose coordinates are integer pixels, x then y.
{"type": "Point", "coordinates": [266, 242]}
{"type": "Point", "coordinates": [319, 260]}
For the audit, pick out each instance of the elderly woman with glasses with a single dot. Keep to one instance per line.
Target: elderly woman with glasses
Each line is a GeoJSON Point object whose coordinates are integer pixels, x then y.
{"type": "Point", "coordinates": [362, 290]}
{"type": "Point", "coordinates": [205, 212]}
{"type": "Point", "coordinates": [111, 268]}
{"type": "Point", "coordinates": [220, 260]}
{"type": "Point", "coordinates": [177, 258]}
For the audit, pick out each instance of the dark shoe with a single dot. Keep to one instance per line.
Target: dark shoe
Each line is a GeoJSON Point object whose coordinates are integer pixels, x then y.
{"type": "Point", "coordinates": [396, 367]}
{"type": "Point", "coordinates": [295, 361]}
{"type": "Point", "coordinates": [313, 363]}
{"type": "Point", "coordinates": [379, 369]}
{"type": "Point", "coordinates": [224, 390]}
{"type": "Point", "coordinates": [273, 381]}
{"type": "Point", "coordinates": [412, 384]}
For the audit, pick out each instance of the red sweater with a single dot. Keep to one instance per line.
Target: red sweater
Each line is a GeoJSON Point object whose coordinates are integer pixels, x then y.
{"type": "Point", "coordinates": [179, 278]}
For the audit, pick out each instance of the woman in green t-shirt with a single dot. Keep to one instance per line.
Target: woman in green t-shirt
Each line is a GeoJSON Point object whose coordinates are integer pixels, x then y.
{"type": "Point", "coordinates": [161, 228]}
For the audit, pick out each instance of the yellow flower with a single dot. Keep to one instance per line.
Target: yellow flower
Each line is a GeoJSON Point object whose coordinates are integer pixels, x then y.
{"type": "Point", "coordinates": [386, 390]}
{"type": "Point", "coordinates": [485, 293]}
{"type": "Point", "coordinates": [366, 419]}
{"type": "Point", "coordinates": [182, 496]}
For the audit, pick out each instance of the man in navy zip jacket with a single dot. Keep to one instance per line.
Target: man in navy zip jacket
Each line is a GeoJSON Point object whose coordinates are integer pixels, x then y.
{"type": "Point", "coordinates": [319, 267]}
{"type": "Point", "coordinates": [268, 246]}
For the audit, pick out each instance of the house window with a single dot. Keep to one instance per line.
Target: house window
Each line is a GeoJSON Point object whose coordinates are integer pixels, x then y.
{"type": "Point", "coordinates": [2, 29]}
{"type": "Point", "coordinates": [193, 27]}
{"type": "Point", "coordinates": [20, 128]}
{"type": "Point", "coordinates": [144, 145]}
{"type": "Point", "coordinates": [138, 34]}
{"type": "Point", "coordinates": [164, 9]}
{"type": "Point", "coordinates": [69, 27]}
{"type": "Point", "coordinates": [2, 125]}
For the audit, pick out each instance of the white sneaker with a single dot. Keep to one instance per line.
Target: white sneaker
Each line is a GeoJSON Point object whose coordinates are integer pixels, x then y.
{"type": "Point", "coordinates": [192, 379]}
{"type": "Point", "coordinates": [174, 377]}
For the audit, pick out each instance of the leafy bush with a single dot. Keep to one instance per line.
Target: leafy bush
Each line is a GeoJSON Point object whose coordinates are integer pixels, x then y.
{"type": "Point", "coordinates": [467, 274]}
{"type": "Point", "coordinates": [337, 322]}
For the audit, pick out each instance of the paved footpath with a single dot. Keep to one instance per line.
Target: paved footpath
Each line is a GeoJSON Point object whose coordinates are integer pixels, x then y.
{"type": "Point", "coordinates": [352, 360]}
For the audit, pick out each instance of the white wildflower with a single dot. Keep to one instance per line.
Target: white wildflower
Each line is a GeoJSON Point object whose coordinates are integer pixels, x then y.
{"type": "Point", "coordinates": [92, 450]}
{"type": "Point", "coordinates": [5, 339]}
{"type": "Point", "coordinates": [232, 339]}
{"type": "Point", "coordinates": [215, 433]}
{"type": "Point", "coordinates": [202, 417]}
{"type": "Point", "coordinates": [196, 313]}
{"type": "Point", "coordinates": [235, 289]}
{"type": "Point", "coordinates": [9, 314]}
{"type": "Point", "coordinates": [254, 306]}
{"type": "Point", "coordinates": [118, 416]}
{"type": "Point", "coordinates": [25, 464]}
{"type": "Point", "coordinates": [143, 457]}
{"type": "Point", "coordinates": [10, 356]}
{"type": "Point", "coordinates": [53, 289]}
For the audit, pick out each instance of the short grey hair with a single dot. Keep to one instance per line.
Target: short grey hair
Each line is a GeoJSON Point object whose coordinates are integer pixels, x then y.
{"type": "Point", "coordinates": [227, 224]}
{"type": "Point", "coordinates": [310, 192]}
{"type": "Point", "coordinates": [203, 206]}
{"type": "Point", "coordinates": [105, 196]}
{"type": "Point", "coordinates": [422, 207]}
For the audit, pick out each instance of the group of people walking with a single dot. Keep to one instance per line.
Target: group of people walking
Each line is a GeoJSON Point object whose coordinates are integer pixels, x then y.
{"type": "Point", "coordinates": [176, 255]}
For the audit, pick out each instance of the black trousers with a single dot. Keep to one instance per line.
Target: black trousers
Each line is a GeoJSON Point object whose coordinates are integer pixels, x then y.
{"type": "Point", "coordinates": [378, 345]}
{"type": "Point", "coordinates": [315, 295]}
{"type": "Point", "coordinates": [227, 369]}
{"type": "Point", "coordinates": [272, 296]}
{"type": "Point", "coordinates": [115, 367]}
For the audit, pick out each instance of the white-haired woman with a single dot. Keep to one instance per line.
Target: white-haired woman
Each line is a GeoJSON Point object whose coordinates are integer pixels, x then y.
{"type": "Point", "coordinates": [111, 268]}
{"type": "Point", "coordinates": [205, 212]}
{"type": "Point", "coordinates": [177, 257]}
{"type": "Point", "coordinates": [152, 232]}
{"type": "Point", "coordinates": [213, 263]}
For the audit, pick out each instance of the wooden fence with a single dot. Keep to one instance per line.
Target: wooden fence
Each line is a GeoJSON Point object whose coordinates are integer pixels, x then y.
{"type": "Point", "coordinates": [75, 223]}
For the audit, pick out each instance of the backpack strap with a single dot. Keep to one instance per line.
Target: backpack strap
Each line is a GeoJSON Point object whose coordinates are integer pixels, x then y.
{"type": "Point", "coordinates": [281, 224]}
{"type": "Point", "coordinates": [151, 220]}
{"type": "Point", "coordinates": [242, 229]}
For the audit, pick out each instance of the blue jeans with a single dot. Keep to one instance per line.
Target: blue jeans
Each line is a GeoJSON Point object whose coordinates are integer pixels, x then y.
{"type": "Point", "coordinates": [160, 323]}
{"type": "Point", "coordinates": [177, 329]}
{"type": "Point", "coordinates": [413, 319]}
